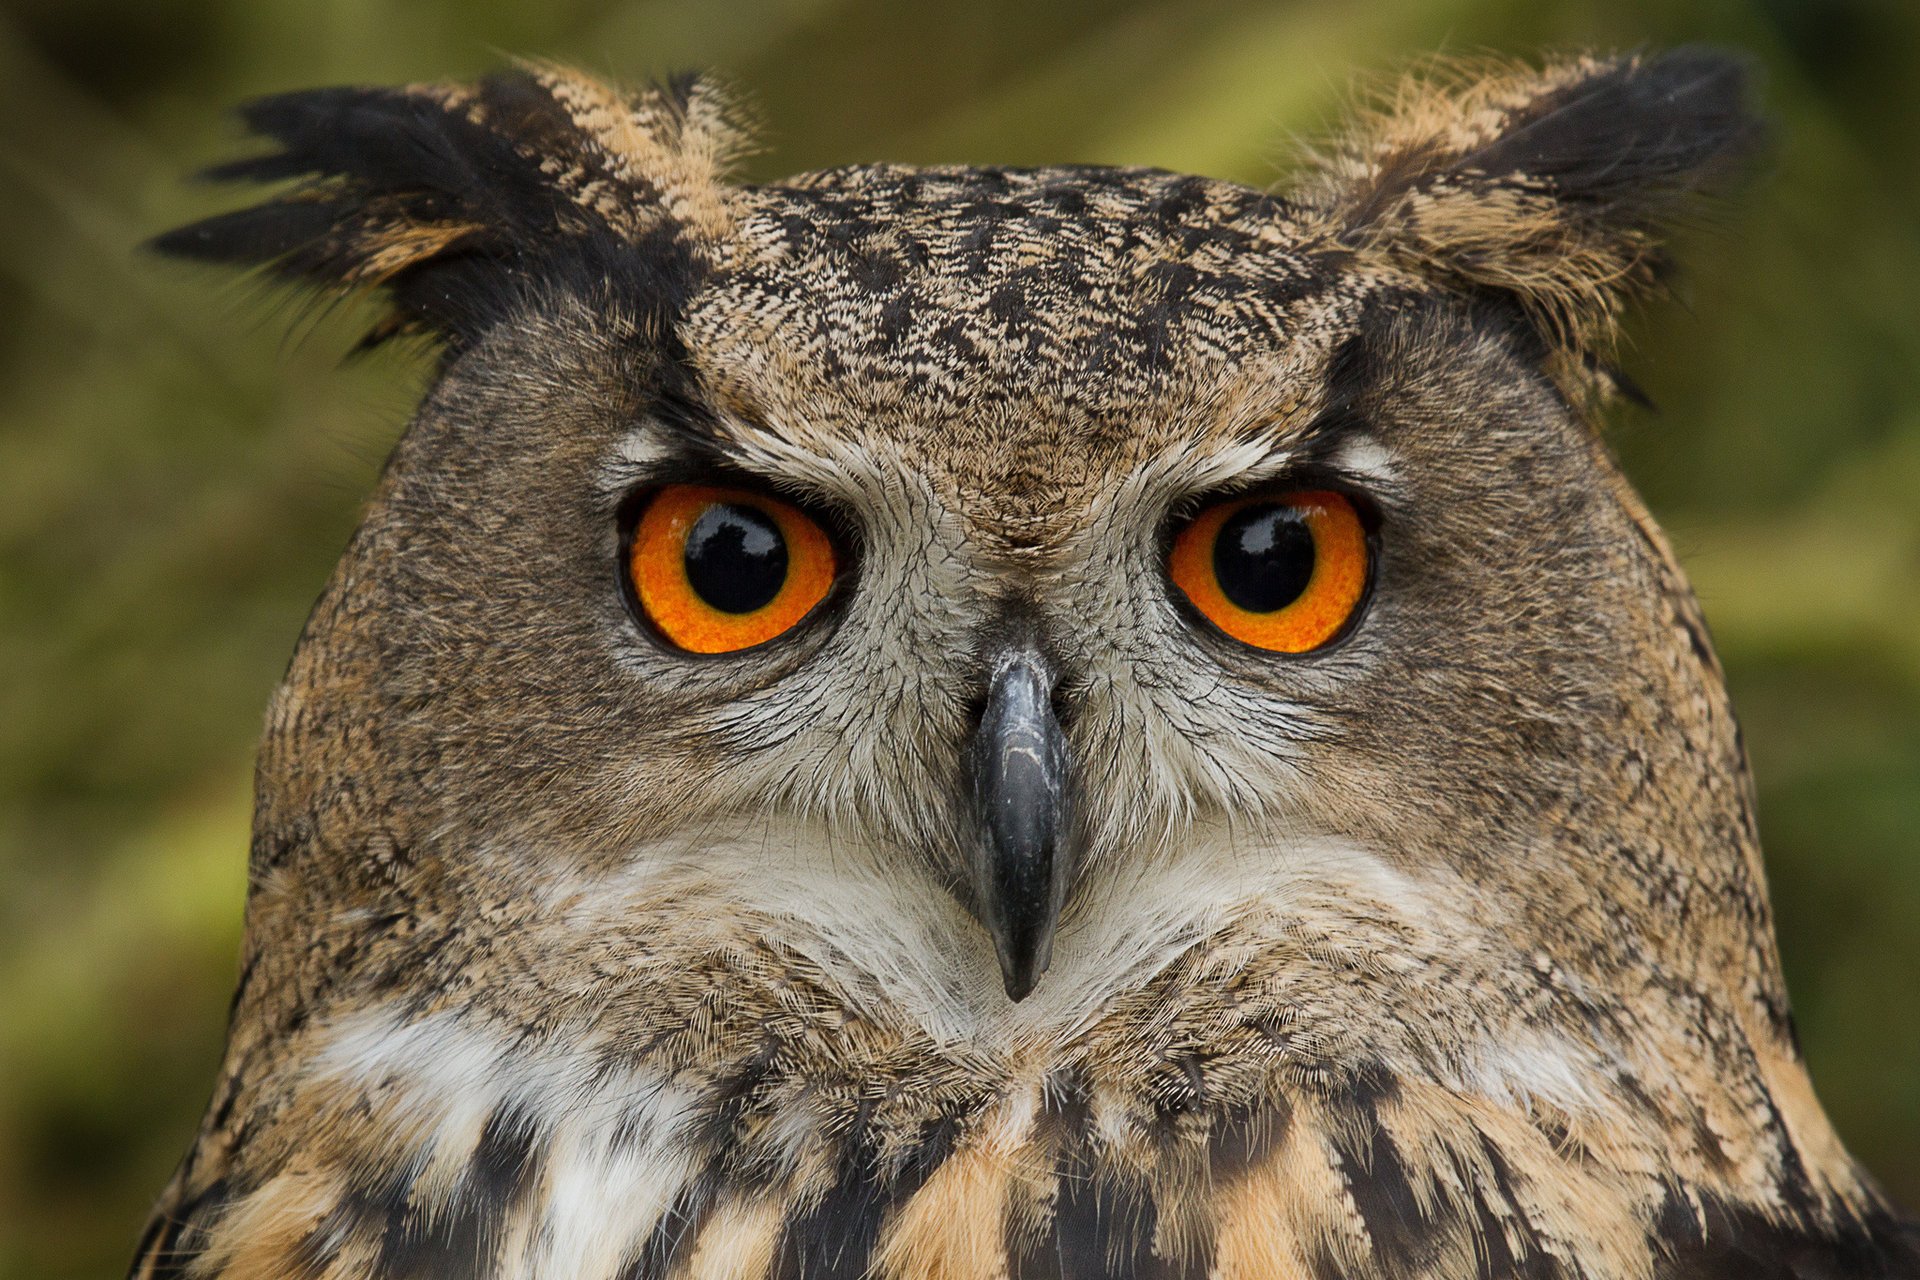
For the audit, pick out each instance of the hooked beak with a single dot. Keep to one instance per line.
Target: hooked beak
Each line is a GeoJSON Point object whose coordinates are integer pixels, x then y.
{"type": "Point", "coordinates": [1023, 804]}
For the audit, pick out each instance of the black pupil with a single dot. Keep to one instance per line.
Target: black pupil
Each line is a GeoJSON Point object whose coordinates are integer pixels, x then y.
{"type": "Point", "coordinates": [1263, 557]}
{"type": "Point", "coordinates": [736, 558]}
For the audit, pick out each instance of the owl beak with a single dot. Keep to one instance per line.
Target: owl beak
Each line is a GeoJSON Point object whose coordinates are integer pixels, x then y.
{"type": "Point", "coordinates": [1024, 809]}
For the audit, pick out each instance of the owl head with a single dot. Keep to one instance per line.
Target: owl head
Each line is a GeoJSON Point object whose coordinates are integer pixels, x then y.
{"type": "Point", "coordinates": [901, 652]}
{"type": "Point", "coordinates": [1015, 532]}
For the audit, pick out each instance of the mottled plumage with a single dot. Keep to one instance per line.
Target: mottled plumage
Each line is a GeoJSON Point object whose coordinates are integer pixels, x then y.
{"type": "Point", "coordinates": [1443, 951]}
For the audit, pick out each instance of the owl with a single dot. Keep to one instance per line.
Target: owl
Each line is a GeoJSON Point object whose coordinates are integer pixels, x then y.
{"type": "Point", "coordinates": [996, 724]}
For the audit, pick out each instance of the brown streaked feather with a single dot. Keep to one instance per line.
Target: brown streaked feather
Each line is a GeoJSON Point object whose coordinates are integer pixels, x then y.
{"type": "Point", "coordinates": [738, 1241]}
{"type": "Point", "coordinates": [955, 1226]}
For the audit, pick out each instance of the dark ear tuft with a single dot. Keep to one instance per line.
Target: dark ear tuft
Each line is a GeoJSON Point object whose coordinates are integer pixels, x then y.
{"type": "Point", "coordinates": [1552, 188]}
{"type": "Point", "coordinates": [450, 197]}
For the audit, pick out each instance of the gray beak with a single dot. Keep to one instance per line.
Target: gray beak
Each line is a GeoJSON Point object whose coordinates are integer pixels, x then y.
{"type": "Point", "coordinates": [1023, 804]}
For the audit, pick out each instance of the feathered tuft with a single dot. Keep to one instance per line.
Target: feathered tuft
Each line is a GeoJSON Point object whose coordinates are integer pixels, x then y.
{"type": "Point", "coordinates": [448, 196]}
{"type": "Point", "coordinates": [1551, 188]}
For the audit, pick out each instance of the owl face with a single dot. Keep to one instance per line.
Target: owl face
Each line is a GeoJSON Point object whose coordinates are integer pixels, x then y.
{"type": "Point", "coordinates": [979, 420]}
{"type": "Point", "coordinates": [1060, 549]}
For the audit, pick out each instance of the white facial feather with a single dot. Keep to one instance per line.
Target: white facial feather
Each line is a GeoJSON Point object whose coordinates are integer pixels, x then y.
{"type": "Point", "coordinates": [613, 1157]}
{"type": "Point", "coordinates": [900, 945]}
{"type": "Point", "coordinates": [1367, 460]}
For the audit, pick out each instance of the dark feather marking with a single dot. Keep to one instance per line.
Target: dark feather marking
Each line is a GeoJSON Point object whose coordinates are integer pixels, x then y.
{"type": "Point", "coordinates": [1064, 1110]}
{"type": "Point", "coordinates": [672, 1238]}
{"type": "Point", "coordinates": [1492, 1257]}
{"type": "Point", "coordinates": [1533, 1262]}
{"type": "Point", "coordinates": [1404, 1236]}
{"type": "Point", "coordinates": [458, 1239]}
{"type": "Point", "coordinates": [1396, 174]}
{"type": "Point", "coordinates": [1241, 1136]}
{"type": "Point", "coordinates": [836, 1238]}
{"type": "Point", "coordinates": [364, 1211]}
{"type": "Point", "coordinates": [416, 1244]}
{"type": "Point", "coordinates": [681, 414]}
{"type": "Point", "coordinates": [1322, 1265]}
{"type": "Point", "coordinates": [1102, 1227]}
{"type": "Point", "coordinates": [731, 1096]}
{"type": "Point", "coordinates": [1731, 1242]}
{"type": "Point", "coordinates": [156, 1241]}
{"type": "Point", "coordinates": [175, 1238]}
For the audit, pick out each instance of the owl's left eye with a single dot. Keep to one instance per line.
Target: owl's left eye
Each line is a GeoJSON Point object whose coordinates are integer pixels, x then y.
{"type": "Point", "coordinates": [718, 569]}
{"type": "Point", "coordinates": [1285, 572]}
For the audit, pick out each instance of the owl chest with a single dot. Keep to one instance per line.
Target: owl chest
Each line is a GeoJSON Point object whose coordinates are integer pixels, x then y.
{"type": "Point", "coordinates": [668, 1183]}
{"type": "Point", "coordinates": [703, 1188]}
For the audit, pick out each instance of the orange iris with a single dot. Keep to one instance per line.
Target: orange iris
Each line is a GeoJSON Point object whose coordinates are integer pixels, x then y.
{"type": "Point", "coordinates": [720, 569]}
{"type": "Point", "coordinates": [1277, 571]}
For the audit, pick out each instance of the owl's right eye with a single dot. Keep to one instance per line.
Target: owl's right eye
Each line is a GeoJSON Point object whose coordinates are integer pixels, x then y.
{"type": "Point", "coordinates": [717, 569]}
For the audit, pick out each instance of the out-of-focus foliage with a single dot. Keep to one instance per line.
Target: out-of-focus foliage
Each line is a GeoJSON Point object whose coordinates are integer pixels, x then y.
{"type": "Point", "coordinates": [176, 476]}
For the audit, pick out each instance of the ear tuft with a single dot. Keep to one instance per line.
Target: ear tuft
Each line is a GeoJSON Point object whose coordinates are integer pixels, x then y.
{"type": "Point", "coordinates": [449, 197]}
{"type": "Point", "coordinates": [1552, 188]}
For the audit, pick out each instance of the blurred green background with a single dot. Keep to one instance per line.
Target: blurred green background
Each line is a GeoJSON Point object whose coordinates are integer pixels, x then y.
{"type": "Point", "coordinates": [176, 474]}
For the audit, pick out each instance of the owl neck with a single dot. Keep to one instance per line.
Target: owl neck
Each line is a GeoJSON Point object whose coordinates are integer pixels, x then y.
{"type": "Point", "coordinates": [657, 1072]}
{"type": "Point", "coordinates": [420, 1139]}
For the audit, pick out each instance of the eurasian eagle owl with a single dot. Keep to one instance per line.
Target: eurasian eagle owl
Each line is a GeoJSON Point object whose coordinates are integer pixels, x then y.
{"type": "Point", "coordinates": [983, 724]}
